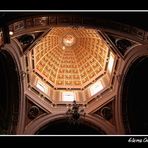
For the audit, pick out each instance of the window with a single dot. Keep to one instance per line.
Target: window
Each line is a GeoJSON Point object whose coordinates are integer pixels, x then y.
{"type": "Point", "coordinates": [95, 88]}
{"type": "Point", "coordinates": [110, 63]}
{"type": "Point", "coordinates": [41, 86]}
{"type": "Point", "coordinates": [68, 96]}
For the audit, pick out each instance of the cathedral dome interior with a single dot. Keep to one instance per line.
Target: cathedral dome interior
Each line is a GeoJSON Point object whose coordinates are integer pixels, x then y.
{"type": "Point", "coordinates": [71, 74]}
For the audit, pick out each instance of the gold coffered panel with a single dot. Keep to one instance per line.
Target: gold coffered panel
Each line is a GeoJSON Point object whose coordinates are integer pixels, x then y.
{"type": "Point", "coordinates": [68, 57]}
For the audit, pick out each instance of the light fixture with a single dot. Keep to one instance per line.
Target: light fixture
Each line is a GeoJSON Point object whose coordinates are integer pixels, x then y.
{"type": "Point", "coordinates": [11, 33]}
{"type": "Point", "coordinates": [75, 112]}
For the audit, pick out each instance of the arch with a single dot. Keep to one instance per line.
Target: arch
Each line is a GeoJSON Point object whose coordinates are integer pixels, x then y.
{"type": "Point", "coordinates": [135, 102]}
{"type": "Point", "coordinates": [9, 93]}
{"type": "Point", "coordinates": [63, 127]}
{"type": "Point", "coordinates": [126, 93]}
{"type": "Point", "coordinates": [16, 53]}
{"type": "Point", "coordinates": [89, 121]}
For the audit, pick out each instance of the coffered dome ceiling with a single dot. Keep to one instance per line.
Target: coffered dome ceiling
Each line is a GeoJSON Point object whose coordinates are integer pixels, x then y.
{"type": "Point", "coordinates": [68, 57]}
{"type": "Point", "coordinates": [64, 59]}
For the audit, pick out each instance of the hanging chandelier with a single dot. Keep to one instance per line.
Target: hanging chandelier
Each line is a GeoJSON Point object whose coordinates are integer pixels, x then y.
{"type": "Point", "coordinates": [75, 112]}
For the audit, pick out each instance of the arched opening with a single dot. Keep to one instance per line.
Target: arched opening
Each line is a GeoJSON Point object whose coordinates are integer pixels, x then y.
{"type": "Point", "coordinates": [135, 98]}
{"type": "Point", "coordinates": [63, 127]}
{"type": "Point", "coordinates": [9, 94]}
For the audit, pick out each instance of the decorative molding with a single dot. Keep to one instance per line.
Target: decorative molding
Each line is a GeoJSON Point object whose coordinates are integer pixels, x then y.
{"type": "Point", "coordinates": [106, 112]}
{"type": "Point", "coordinates": [55, 20]}
{"type": "Point", "coordinates": [33, 111]}
{"type": "Point", "coordinates": [27, 40]}
{"type": "Point", "coordinates": [121, 44]}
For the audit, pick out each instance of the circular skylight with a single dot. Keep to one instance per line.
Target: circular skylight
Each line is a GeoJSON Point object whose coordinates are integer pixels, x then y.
{"type": "Point", "coordinates": [69, 40]}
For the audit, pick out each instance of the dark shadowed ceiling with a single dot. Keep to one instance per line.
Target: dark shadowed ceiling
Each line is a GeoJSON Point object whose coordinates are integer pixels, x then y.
{"type": "Point", "coordinates": [137, 19]}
